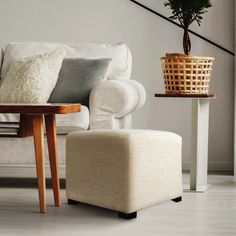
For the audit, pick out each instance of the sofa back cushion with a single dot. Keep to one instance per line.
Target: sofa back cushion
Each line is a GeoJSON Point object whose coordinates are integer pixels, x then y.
{"type": "Point", "coordinates": [76, 79]}
{"type": "Point", "coordinates": [119, 68]}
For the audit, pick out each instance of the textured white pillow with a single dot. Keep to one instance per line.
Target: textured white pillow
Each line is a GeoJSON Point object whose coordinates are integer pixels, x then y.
{"type": "Point", "coordinates": [31, 80]}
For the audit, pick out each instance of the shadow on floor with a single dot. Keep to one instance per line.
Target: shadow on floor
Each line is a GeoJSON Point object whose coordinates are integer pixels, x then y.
{"type": "Point", "coordinates": [26, 183]}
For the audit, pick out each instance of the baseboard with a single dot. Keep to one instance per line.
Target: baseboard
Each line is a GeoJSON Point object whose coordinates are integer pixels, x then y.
{"type": "Point", "coordinates": [213, 166]}
{"type": "Point", "coordinates": [28, 170]}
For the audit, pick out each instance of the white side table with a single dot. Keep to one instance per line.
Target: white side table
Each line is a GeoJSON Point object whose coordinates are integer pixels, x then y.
{"type": "Point", "coordinates": [199, 142]}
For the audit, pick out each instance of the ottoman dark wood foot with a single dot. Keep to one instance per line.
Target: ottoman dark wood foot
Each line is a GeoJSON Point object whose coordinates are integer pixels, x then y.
{"type": "Point", "coordinates": [178, 199]}
{"type": "Point", "coordinates": [128, 216]}
{"type": "Point", "coordinates": [72, 202]}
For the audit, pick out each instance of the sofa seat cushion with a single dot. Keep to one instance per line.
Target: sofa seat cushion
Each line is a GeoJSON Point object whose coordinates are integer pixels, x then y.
{"type": "Point", "coordinates": [65, 123]}
{"type": "Point", "coordinates": [72, 122]}
{"type": "Point", "coordinates": [119, 68]}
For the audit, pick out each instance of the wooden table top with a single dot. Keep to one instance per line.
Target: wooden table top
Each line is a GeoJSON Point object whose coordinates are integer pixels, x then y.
{"type": "Point", "coordinates": [196, 96]}
{"type": "Point", "coordinates": [48, 108]}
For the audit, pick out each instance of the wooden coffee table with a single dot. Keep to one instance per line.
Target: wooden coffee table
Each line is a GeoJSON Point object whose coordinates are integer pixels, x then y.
{"type": "Point", "coordinates": [31, 124]}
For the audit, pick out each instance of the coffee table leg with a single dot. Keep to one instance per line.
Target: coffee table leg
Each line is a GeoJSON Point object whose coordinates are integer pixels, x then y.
{"type": "Point", "coordinates": [52, 150]}
{"type": "Point", "coordinates": [37, 121]}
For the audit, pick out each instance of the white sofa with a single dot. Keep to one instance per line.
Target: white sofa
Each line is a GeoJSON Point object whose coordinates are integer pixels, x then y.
{"type": "Point", "coordinates": [112, 101]}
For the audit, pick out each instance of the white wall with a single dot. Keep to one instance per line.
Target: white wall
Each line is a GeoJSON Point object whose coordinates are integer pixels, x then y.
{"type": "Point", "coordinates": [149, 37]}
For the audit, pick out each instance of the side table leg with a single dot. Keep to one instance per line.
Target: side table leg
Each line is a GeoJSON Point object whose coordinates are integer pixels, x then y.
{"type": "Point", "coordinates": [37, 121]}
{"type": "Point", "coordinates": [199, 145]}
{"type": "Point", "coordinates": [52, 150]}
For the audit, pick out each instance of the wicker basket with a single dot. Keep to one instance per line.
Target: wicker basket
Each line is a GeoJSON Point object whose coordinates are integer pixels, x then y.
{"type": "Point", "coordinates": [186, 74]}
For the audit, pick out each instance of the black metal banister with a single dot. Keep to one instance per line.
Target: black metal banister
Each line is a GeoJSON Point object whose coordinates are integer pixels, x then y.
{"type": "Point", "coordinates": [177, 24]}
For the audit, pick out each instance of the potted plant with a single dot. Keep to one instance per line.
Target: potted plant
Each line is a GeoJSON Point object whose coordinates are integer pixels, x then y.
{"type": "Point", "coordinates": [183, 73]}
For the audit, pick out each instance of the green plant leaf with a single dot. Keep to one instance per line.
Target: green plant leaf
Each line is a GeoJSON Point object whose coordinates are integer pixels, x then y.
{"type": "Point", "coordinates": [188, 11]}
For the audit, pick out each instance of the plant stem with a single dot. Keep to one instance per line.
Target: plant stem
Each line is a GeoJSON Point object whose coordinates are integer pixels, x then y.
{"type": "Point", "coordinates": [186, 42]}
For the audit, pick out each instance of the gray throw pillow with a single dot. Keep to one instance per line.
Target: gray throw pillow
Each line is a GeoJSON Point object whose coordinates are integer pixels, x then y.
{"type": "Point", "coordinates": [76, 79]}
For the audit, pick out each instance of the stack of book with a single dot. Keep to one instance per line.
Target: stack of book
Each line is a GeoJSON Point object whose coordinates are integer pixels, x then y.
{"type": "Point", "coordinates": [9, 128]}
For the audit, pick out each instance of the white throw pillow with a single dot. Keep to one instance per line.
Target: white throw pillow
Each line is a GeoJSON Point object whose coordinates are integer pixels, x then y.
{"type": "Point", "coordinates": [31, 80]}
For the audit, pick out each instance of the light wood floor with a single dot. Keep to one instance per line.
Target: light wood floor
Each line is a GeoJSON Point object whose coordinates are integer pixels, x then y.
{"type": "Point", "coordinates": [210, 213]}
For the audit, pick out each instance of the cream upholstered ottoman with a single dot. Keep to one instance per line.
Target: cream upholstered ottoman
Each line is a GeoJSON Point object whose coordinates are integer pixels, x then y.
{"type": "Point", "coordinates": [123, 170]}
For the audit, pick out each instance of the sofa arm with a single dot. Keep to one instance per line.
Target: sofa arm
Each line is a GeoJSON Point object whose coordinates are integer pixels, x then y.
{"type": "Point", "coordinates": [112, 101]}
